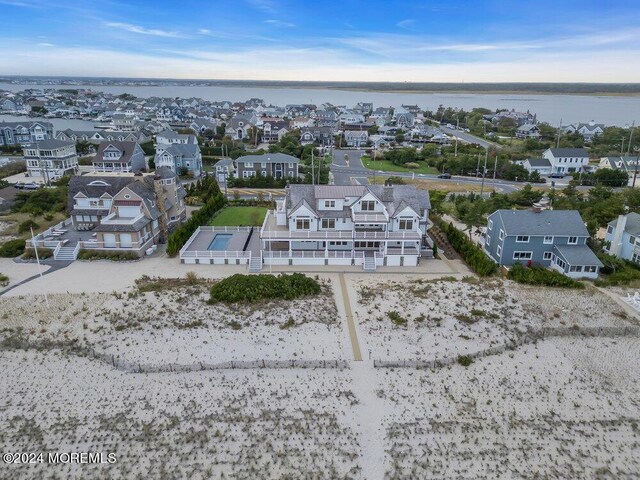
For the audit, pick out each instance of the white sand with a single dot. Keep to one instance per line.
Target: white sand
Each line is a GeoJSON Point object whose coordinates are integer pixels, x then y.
{"type": "Point", "coordinates": [17, 272]}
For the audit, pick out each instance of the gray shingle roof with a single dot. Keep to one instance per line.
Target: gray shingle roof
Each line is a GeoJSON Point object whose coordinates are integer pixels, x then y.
{"type": "Point", "coordinates": [82, 184]}
{"type": "Point", "coordinates": [632, 226]}
{"type": "Point", "coordinates": [128, 148]}
{"type": "Point", "coordinates": [562, 223]}
{"type": "Point", "coordinates": [539, 162]}
{"type": "Point", "coordinates": [52, 144]}
{"type": "Point", "coordinates": [569, 152]}
{"type": "Point", "coordinates": [268, 158]}
{"type": "Point", "coordinates": [577, 255]}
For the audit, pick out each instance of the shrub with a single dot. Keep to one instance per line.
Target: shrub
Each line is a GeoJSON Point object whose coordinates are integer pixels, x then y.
{"type": "Point", "coordinates": [12, 248]}
{"type": "Point", "coordinates": [536, 275]}
{"type": "Point", "coordinates": [253, 288]}
{"type": "Point", "coordinates": [43, 253]}
{"type": "Point", "coordinates": [4, 280]}
{"type": "Point", "coordinates": [397, 319]}
{"type": "Point", "coordinates": [472, 253]}
{"type": "Point", "coordinates": [465, 360]}
{"type": "Point", "coordinates": [107, 255]}
{"type": "Point", "coordinates": [27, 225]}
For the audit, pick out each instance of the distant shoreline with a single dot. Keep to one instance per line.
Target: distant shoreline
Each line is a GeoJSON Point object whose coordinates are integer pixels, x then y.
{"type": "Point", "coordinates": [506, 88]}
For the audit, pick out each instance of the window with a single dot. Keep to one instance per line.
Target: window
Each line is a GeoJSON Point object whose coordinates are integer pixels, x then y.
{"type": "Point", "coordinates": [609, 229]}
{"type": "Point", "coordinates": [548, 239]}
{"type": "Point", "coordinates": [302, 224]}
{"type": "Point", "coordinates": [264, 165]}
{"type": "Point", "coordinates": [329, 203]}
{"type": "Point", "coordinates": [560, 263]}
{"type": "Point", "coordinates": [499, 251]}
{"type": "Point", "coordinates": [635, 258]}
{"type": "Point", "coordinates": [248, 165]}
{"type": "Point", "coordinates": [337, 244]}
{"type": "Point", "coordinates": [367, 205]}
{"type": "Point", "coordinates": [575, 268]}
{"type": "Point", "coordinates": [522, 255]}
{"type": "Point", "coordinates": [590, 269]}
{"type": "Point", "coordinates": [406, 224]}
{"type": "Point", "coordinates": [291, 165]}
{"type": "Point", "coordinates": [490, 224]}
{"type": "Point", "coordinates": [501, 236]}
{"type": "Point", "coordinates": [547, 256]}
{"type": "Point", "coordinates": [632, 240]}
{"type": "Point", "coordinates": [573, 240]}
{"type": "Point", "coordinates": [328, 223]}
{"type": "Point", "coordinates": [522, 239]}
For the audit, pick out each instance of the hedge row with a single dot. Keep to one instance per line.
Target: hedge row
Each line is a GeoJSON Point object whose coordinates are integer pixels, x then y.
{"type": "Point", "coordinates": [43, 253]}
{"type": "Point", "coordinates": [107, 255]}
{"type": "Point", "coordinates": [200, 217]}
{"type": "Point", "coordinates": [12, 248]}
{"type": "Point", "coordinates": [472, 253]}
{"type": "Point", "coordinates": [536, 275]}
{"type": "Point", "coordinates": [253, 288]}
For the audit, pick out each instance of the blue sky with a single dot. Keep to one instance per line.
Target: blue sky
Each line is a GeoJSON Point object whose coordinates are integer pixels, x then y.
{"type": "Point", "coordinates": [349, 40]}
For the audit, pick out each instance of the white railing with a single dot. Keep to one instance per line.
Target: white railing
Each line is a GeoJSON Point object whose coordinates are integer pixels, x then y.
{"type": "Point", "coordinates": [207, 228]}
{"type": "Point", "coordinates": [234, 254]}
{"type": "Point", "coordinates": [111, 220]}
{"type": "Point", "coordinates": [312, 254]}
{"type": "Point", "coordinates": [95, 245]}
{"type": "Point", "coordinates": [57, 249]}
{"type": "Point", "coordinates": [76, 250]}
{"type": "Point", "coordinates": [370, 217]}
{"type": "Point", "coordinates": [266, 219]}
{"type": "Point", "coordinates": [190, 241]}
{"type": "Point", "coordinates": [339, 235]}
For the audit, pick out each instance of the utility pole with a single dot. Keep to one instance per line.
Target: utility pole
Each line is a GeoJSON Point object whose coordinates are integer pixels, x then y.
{"type": "Point", "coordinates": [633, 126]}
{"type": "Point", "coordinates": [456, 150]}
{"type": "Point", "coordinates": [484, 171]}
{"type": "Point", "coordinates": [313, 170]}
{"type": "Point", "coordinates": [495, 167]}
{"type": "Point", "coordinates": [478, 166]}
{"type": "Point", "coordinates": [622, 146]}
{"type": "Point", "coordinates": [558, 136]}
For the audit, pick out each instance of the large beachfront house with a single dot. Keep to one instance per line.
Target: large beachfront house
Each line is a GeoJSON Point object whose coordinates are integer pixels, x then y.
{"type": "Point", "coordinates": [622, 239]}
{"type": "Point", "coordinates": [551, 238]}
{"type": "Point", "coordinates": [51, 159]}
{"type": "Point", "coordinates": [278, 165]}
{"type": "Point", "coordinates": [362, 225]}
{"type": "Point", "coordinates": [381, 225]}
{"type": "Point", "coordinates": [181, 158]}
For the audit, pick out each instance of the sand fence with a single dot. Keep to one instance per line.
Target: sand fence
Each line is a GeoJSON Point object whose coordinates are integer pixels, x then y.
{"type": "Point", "coordinates": [530, 337]}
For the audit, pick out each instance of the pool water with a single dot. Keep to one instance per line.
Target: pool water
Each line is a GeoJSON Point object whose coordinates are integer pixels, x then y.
{"type": "Point", "coordinates": [220, 241]}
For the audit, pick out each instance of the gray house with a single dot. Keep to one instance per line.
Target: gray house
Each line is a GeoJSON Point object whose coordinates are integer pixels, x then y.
{"type": "Point", "coordinates": [623, 237]}
{"type": "Point", "coordinates": [180, 157]}
{"type": "Point", "coordinates": [278, 165]}
{"type": "Point", "coordinates": [119, 157]}
{"type": "Point", "coordinates": [551, 238]}
{"type": "Point", "coordinates": [24, 133]}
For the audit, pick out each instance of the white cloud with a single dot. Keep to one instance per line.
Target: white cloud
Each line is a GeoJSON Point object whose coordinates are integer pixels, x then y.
{"type": "Point", "coordinates": [19, 58]}
{"type": "Point", "coordinates": [268, 6]}
{"type": "Point", "coordinates": [279, 23]}
{"type": "Point", "coordinates": [405, 23]}
{"type": "Point", "coordinates": [45, 44]}
{"type": "Point", "coordinates": [128, 27]}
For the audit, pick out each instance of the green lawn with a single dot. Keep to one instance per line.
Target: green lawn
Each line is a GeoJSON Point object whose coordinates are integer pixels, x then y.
{"type": "Point", "coordinates": [239, 216]}
{"type": "Point", "coordinates": [387, 166]}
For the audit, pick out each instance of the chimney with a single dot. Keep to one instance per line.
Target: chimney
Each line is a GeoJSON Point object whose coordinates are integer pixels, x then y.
{"type": "Point", "coordinates": [387, 192]}
{"type": "Point", "coordinates": [616, 242]}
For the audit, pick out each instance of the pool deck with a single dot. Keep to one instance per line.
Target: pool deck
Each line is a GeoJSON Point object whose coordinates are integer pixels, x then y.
{"type": "Point", "coordinates": [204, 239]}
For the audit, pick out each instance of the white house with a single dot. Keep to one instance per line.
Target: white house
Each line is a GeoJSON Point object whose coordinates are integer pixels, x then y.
{"type": "Point", "coordinates": [356, 138]}
{"type": "Point", "coordinates": [623, 237]}
{"type": "Point", "coordinates": [567, 160]}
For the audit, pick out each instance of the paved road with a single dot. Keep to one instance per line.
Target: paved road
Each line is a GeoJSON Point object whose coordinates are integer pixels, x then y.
{"type": "Point", "coordinates": [345, 171]}
{"type": "Point", "coordinates": [467, 137]}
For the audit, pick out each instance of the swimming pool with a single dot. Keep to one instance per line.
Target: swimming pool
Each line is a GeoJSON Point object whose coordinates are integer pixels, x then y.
{"type": "Point", "coordinates": [220, 241]}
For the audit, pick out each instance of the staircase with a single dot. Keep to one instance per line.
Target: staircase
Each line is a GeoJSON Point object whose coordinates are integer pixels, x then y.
{"type": "Point", "coordinates": [255, 263]}
{"type": "Point", "coordinates": [369, 264]}
{"type": "Point", "coordinates": [66, 254]}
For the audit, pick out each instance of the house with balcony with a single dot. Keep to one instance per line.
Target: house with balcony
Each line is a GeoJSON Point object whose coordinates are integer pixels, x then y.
{"type": "Point", "coordinates": [119, 157]}
{"type": "Point", "coordinates": [528, 130]}
{"type": "Point", "coordinates": [350, 225]}
{"type": "Point", "coordinates": [322, 135]}
{"type": "Point", "coordinates": [273, 130]}
{"type": "Point", "coordinates": [278, 165]}
{"type": "Point", "coordinates": [224, 170]}
{"type": "Point", "coordinates": [24, 133]}
{"type": "Point", "coordinates": [169, 137]}
{"type": "Point", "coordinates": [622, 239]}
{"type": "Point", "coordinates": [117, 212]}
{"type": "Point", "coordinates": [356, 138]}
{"type": "Point", "coordinates": [551, 238]}
{"type": "Point", "coordinates": [49, 160]}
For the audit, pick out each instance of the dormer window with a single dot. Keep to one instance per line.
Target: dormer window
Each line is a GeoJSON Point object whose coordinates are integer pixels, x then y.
{"type": "Point", "coordinates": [367, 205]}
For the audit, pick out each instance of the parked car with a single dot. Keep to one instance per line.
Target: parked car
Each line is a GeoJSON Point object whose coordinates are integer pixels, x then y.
{"type": "Point", "coordinates": [444, 175]}
{"type": "Point", "coordinates": [31, 186]}
{"type": "Point", "coordinates": [557, 175]}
